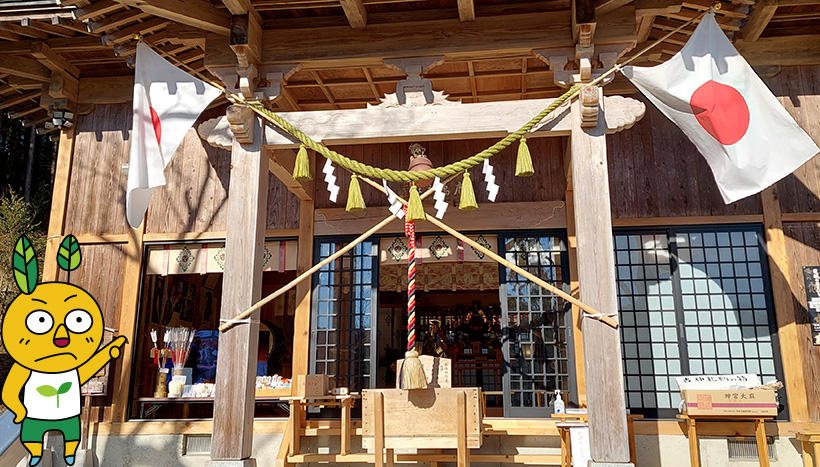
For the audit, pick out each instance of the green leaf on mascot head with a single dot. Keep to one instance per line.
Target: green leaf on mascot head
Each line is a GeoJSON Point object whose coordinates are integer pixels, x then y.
{"type": "Point", "coordinates": [69, 256]}
{"type": "Point", "coordinates": [64, 387]}
{"type": "Point", "coordinates": [24, 264]}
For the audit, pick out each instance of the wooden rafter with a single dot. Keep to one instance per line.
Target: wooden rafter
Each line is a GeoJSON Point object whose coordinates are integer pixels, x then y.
{"type": "Point", "coordinates": [197, 13]}
{"type": "Point", "coordinates": [473, 86]}
{"type": "Point", "coordinates": [369, 77]}
{"type": "Point", "coordinates": [115, 21]}
{"type": "Point", "coordinates": [24, 112]}
{"type": "Point", "coordinates": [47, 27]}
{"type": "Point", "coordinates": [609, 5]}
{"type": "Point", "coordinates": [12, 101]}
{"type": "Point", "coordinates": [466, 10]}
{"type": "Point", "coordinates": [70, 24]}
{"type": "Point", "coordinates": [127, 34]}
{"type": "Point", "coordinates": [325, 90]}
{"type": "Point", "coordinates": [25, 68]}
{"type": "Point", "coordinates": [96, 9]}
{"type": "Point", "coordinates": [762, 13]}
{"type": "Point", "coordinates": [25, 32]}
{"type": "Point", "coordinates": [355, 12]}
{"type": "Point", "coordinates": [52, 60]}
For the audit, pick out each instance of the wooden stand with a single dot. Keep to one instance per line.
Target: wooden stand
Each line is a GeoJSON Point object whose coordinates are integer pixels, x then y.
{"type": "Point", "coordinates": [760, 435]}
{"type": "Point", "coordinates": [568, 421]}
{"type": "Point", "coordinates": [810, 443]}
{"type": "Point", "coordinates": [297, 409]}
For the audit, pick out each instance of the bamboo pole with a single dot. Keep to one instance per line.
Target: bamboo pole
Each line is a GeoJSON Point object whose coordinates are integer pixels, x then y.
{"type": "Point", "coordinates": [592, 312]}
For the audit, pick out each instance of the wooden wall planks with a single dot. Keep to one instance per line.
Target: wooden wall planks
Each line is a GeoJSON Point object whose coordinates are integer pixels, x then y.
{"type": "Point", "coordinates": [798, 89]}
{"type": "Point", "coordinates": [100, 274]}
{"type": "Point", "coordinates": [547, 185]}
{"type": "Point", "coordinates": [802, 243]}
{"type": "Point", "coordinates": [193, 201]}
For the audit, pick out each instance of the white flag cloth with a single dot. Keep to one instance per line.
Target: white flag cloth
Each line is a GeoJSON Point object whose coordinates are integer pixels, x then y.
{"type": "Point", "coordinates": [167, 102]}
{"type": "Point", "coordinates": [714, 96]}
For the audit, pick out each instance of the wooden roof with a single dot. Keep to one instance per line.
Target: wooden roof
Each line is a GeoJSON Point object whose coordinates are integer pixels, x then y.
{"type": "Point", "coordinates": [96, 39]}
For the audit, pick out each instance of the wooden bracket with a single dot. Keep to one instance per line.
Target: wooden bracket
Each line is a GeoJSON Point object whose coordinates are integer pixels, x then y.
{"type": "Point", "coordinates": [241, 118]}
{"type": "Point", "coordinates": [414, 67]}
{"type": "Point", "coordinates": [246, 42]}
{"type": "Point", "coordinates": [590, 105]}
{"type": "Point", "coordinates": [591, 62]}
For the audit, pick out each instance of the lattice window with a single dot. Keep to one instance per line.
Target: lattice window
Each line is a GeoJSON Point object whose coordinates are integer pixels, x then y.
{"type": "Point", "coordinates": [535, 341]}
{"type": "Point", "coordinates": [344, 315]}
{"type": "Point", "coordinates": [692, 301]}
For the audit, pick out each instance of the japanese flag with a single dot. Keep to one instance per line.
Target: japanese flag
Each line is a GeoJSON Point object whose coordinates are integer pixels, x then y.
{"type": "Point", "coordinates": [167, 102]}
{"type": "Point", "coordinates": [712, 94]}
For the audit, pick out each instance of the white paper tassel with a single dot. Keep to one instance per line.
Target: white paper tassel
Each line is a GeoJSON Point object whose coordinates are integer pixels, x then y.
{"type": "Point", "coordinates": [492, 188]}
{"type": "Point", "coordinates": [330, 179]}
{"type": "Point", "coordinates": [395, 205]}
{"type": "Point", "coordinates": [438, 195]}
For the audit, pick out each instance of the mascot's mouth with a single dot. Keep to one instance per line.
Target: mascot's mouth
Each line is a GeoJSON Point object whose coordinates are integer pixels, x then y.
{"type": "Point", "coordinates": [61, 341]}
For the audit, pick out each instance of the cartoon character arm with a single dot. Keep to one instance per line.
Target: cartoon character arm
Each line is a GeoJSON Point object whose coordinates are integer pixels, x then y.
{"type": "Point", "coordinates": [15, 381]}
{"type": "Point", "coordinates": [111, 351]}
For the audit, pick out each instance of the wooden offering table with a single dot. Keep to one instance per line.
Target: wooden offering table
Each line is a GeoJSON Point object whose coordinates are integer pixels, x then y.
{"type": "Point", "coordinates": [810, 442]}
{"type": "Point", "coordinates": [297, 408]}
{"type": "Point", "coordinates": [760, 434]}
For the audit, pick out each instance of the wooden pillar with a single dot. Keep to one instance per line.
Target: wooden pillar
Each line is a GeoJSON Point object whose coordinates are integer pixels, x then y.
{"type": "Point", "coordinates": [609, 442]}
{"type": "Point", "coordinates": [59, 201]}
{"type": "Point", "coordinates": [572, 253]}
{"type": "Point", "coordinates": [241, 287]}
{"type": "Point", "coordinates": [785, 311]}
{"type": "Point", "coordinates": [301, 318]}
{"type": "Point", "coordinates": [132, 272]}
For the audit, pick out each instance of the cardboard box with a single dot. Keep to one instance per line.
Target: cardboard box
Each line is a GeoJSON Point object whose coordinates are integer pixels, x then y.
{"type": "Point", "coordinates": [311, 386]}
{"type": "Point", "coordinates": [741, 402]}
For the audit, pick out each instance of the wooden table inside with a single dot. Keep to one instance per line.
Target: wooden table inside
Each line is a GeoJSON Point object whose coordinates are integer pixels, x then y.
{"type": "Point", "coordinates": [566, 420]}
{"type": "Point", "coordinates": [760, 435]}
{"type": "Point", "coordinates": [297, 405]}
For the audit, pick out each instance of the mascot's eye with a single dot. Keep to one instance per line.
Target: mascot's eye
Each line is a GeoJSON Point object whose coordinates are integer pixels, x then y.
{"type": "Point", "coordinates": [39, 321]}
{"type": "Point", "coordinates": [78, 321]}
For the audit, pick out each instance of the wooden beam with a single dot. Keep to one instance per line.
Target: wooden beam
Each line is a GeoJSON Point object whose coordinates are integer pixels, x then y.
{"type": "Point", "coordinates": [73, 44]}
{"type": "Point", "coordinates": [46, 28]}
{"type": "Point", "coordinates": [26, 32]}
{"type": "Point", "coordinates": [762, 12]}
{"type": "Point", "coordinates": [781, 50]}
{"type": "Point", "coordinates": [517, 34]}
{"type": "Point", "coordinates": [238, 7]}
{"type": "Point", "coordinates": [301, 318]}
{"type": "Point", "coordinates": [596, 277]}
{"type": "Point", "coordinates": [115, 21]}
{"type": "Point", "coordinates": [106, 90]}
{"type": "Point", "coordinates": [95, 9]}
{"type": "Point", "coordinates": [127, 34]}
{"type": "Point", "coordinates": [281, 165]}
{"type": "Point", "coordinates": [197, 13]}
{"type": "Point", "coordinates": [242, 287]}
{"type": "Point", "coordinates": [25, 68]}
{"type": "Point", "coordinates": [466, 10]}
{"type": "Point", "coordinates": [52, 60]}
{"type": "Point", "coordinates": [606, 6]}
{"type": "Point", "coordinates": [356, 13]}
{"type": "Point", "coordinates": [584, 22]}
{"type": "Point", "coordinates": [59, 201]}
{"type": "Point", "coordinates": [19, 99]}
{"type": "Point", "coordinates": [787, 314]}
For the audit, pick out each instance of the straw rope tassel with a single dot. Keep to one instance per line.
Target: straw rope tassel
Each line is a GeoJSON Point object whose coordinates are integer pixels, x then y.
{"type": "Point", "coordinates": [412, 372]}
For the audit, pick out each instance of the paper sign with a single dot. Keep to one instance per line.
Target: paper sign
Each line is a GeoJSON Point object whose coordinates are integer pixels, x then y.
{"type": "Point", "coordinates": [811, 277]}
{"type": "Point", "coordinates": [744, 381]}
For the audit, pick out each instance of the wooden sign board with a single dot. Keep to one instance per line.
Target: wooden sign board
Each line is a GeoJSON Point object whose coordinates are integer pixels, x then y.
{"type": "Point", "coordinates": [422, 418]}
{"type": "Point", "coordinates": [811, 277]}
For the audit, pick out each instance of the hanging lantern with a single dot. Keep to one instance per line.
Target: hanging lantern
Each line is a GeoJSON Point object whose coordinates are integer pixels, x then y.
{"type": "Point", "coordinates": [420, 162]}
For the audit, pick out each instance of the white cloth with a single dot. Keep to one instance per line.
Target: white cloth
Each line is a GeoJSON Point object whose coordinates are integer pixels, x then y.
{"type": "Point", "coordinates": [167, 102]}
{"type": "Point", "coordinates": [41, 398]}
{"type": "Point", "coordinates": [723, 107]}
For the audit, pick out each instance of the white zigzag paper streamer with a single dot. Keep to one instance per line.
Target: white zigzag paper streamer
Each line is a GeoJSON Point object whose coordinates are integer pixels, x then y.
{"type": "Point", "coordinates": [330, 179]}
{"type": "Point", "coordinates": [438, 195]}
{"type": "Point", "coordinates": [395, 205]}
{"type": "Point", "coordinates": [492, 188]}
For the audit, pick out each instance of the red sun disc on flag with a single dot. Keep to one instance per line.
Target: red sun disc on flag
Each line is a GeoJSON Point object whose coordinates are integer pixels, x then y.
{"type": "Point", "coordinates": [156, 123]}
{"type": "Point", "coordinates": [721, 110]}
